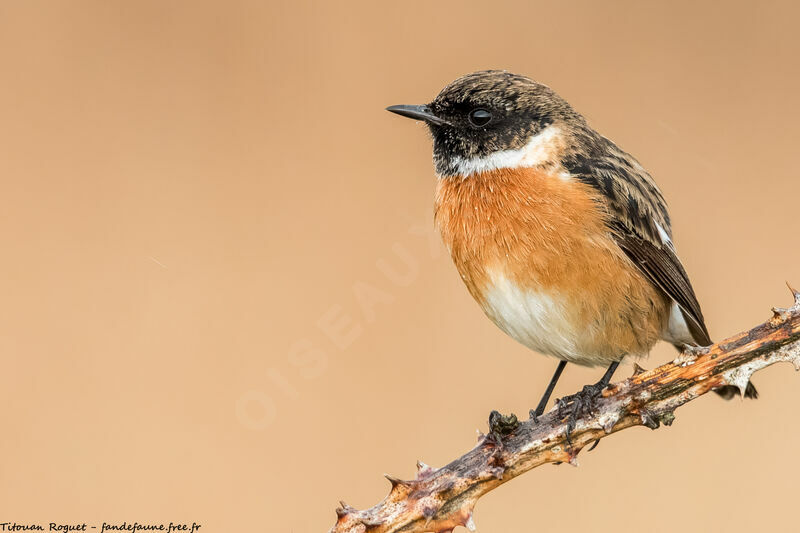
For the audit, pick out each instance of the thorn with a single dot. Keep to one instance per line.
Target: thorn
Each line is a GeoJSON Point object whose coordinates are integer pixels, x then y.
{"type": "Point", "coordinates": [697, 351]}
{"type": "Point", "coordinates": [780, 313]}
{"type": "Point", "coordinates": [648, 420]}
{"type": "Point", "coordinates": [396, 482]}
{"type": "Point", "coordinates": [742, 390]}
{"type": "Point", "coordinates": [637, 370]}
{"type": "Point", "coordinates": [689, 355]}
{"type": "Point", "coordinates": [423, 470]}
{"type": "Point", "coordinates": [596, 442]}
{"type": "Point", "coordinates": [739, 378]}
{"type": "Point", "coordinates": [344, 510]}
{"type": "Point", "coordinates": [795, 294]}
{"type": "Point", "coordinates": [481, 436]}
{"type": "Point", "coordinates": [796, 362]}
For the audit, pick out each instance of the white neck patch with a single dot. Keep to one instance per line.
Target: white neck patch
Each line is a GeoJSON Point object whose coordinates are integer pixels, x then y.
{"type": "Point", "coordinates": [539, 150]}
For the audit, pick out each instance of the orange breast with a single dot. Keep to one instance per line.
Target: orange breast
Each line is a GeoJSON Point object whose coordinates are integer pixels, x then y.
{"type": "Point", "coordinates": [533, 249]}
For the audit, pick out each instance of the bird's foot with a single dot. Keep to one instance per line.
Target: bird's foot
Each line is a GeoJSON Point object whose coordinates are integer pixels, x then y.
{"type": "Point", "coordinates": [583, 403]}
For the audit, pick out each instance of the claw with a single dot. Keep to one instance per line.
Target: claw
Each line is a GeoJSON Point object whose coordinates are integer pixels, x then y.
{"type": "Point", "coordinates": [583, 403]}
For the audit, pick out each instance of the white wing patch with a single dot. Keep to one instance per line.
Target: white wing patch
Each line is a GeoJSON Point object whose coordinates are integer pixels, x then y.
{"type": "Point", "coordinates": [663, 234]}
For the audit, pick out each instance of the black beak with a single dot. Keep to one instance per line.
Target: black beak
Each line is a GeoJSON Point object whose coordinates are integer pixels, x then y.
{"type": "Point", "coordinates": [418, 112]}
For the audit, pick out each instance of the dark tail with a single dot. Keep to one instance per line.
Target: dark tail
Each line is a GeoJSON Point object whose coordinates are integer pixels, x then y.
{"type": "Point", "coordinates": [730, 391]}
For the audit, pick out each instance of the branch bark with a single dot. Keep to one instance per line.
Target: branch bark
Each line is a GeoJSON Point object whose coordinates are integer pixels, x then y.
{"type": "Point", "coordinates": [439, 500]}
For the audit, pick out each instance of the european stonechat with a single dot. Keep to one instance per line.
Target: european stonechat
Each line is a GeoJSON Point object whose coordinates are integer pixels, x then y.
{"type": "Point", "coordinates": [562, 238]}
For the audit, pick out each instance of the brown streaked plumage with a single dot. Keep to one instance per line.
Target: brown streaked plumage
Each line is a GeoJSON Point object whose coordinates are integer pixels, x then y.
{"type": "Point", "coordinates": [562, 238]}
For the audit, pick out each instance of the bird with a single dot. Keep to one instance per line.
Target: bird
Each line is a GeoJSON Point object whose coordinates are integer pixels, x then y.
{"type": "Point", "coordinates": [562, 238]}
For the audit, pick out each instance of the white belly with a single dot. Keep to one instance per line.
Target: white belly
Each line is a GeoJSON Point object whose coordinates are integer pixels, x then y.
{"type": "Point", "coordinates": [536, 319]}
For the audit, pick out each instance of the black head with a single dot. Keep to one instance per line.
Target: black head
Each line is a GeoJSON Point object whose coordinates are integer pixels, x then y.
{"type": "Point", "coordinates": [487, 112]}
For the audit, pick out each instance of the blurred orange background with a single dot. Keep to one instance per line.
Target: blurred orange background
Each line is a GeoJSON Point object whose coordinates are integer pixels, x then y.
{"type": "Point", "coordinates": [223, 299]}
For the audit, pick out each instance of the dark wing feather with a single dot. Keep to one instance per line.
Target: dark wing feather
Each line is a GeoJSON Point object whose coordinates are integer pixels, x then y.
{"type": "Point", "coordinates": [639, 222]}
{"type": "Point", "coordinates": [663, 268]}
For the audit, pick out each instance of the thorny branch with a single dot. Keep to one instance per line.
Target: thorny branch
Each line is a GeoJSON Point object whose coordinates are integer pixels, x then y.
{"type": "Point", "coordinates": [439, 500]}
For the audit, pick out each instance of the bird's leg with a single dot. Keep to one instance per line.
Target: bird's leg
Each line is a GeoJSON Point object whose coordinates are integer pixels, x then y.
{"type": "Point", "coordinates": [583, 402]}
{"type": "Point", "coordinates": [535, 414]}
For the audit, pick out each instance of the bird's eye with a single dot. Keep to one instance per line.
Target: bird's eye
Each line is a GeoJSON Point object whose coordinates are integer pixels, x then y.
{"type": "Point", "coordinates": [479, 117]}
